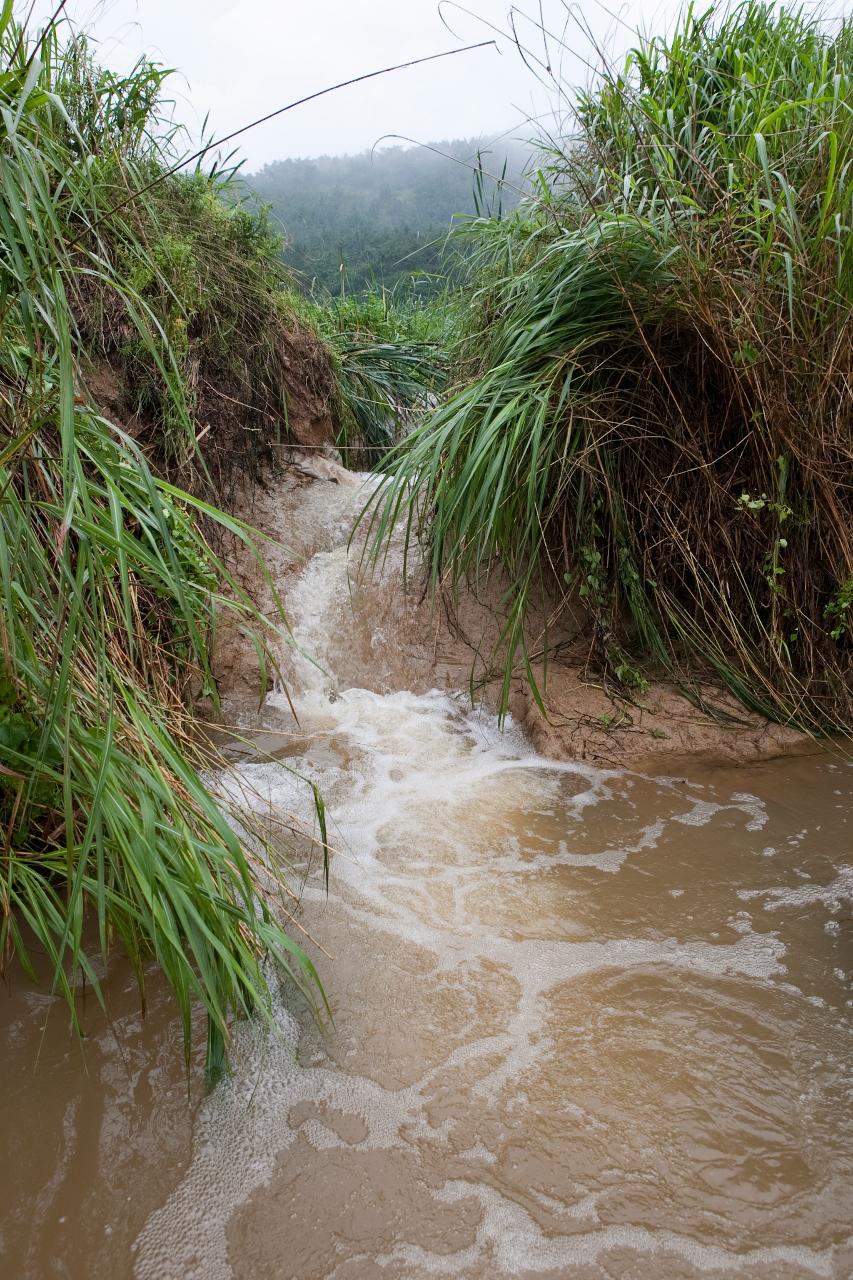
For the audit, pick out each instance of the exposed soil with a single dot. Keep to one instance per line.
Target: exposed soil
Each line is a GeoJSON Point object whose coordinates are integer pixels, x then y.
{"type": "Point", "coordinates": [309, 388]}
{"type": "Point", "coordinates": [450, 646]}
{"type": "Point", "coordinates": [587, 721]}
{"type": "Point", "coordinates": [241, 419]}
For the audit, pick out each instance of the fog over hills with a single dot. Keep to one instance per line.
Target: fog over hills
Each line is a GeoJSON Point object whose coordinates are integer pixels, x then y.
{"type": "Point", "coordinates": [384, 214]}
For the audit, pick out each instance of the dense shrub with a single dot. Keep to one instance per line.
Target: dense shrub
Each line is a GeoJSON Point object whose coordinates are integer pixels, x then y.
{"type": "Point", "coordinates": [108, 590]}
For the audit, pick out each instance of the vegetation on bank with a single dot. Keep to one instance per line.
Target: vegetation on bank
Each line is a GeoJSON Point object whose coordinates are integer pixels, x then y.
{"type": "Point", "coordinates": [653, 409]}
{"type": "Point", "coordinates": [389, 348]}
{"type": "Point", "coordinates": [109, 589]}
{"type": "Point", "coordinates": [154, 352]}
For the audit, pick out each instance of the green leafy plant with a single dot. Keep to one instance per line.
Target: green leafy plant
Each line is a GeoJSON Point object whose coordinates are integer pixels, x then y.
{"type": "Point", "coordinates": [390, 352]}
{"type": "Point", "coordinates": [840, 610]}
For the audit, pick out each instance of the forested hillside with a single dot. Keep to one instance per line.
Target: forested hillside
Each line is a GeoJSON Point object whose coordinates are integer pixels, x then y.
{"type": "Point", "coordinates": [373, 218]}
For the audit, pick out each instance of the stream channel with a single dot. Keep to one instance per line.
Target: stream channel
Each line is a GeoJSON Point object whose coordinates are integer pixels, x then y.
{"type": "Point", "coordinates": [587, 1022]}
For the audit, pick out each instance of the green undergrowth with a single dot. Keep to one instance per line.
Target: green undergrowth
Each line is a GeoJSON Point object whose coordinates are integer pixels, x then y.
{"type": "Point", "coordinates": [109, 588]}
{"type": "Point", "coordinates": [652, 413]}
{"type": "Point", "coordinates": [389, 349]}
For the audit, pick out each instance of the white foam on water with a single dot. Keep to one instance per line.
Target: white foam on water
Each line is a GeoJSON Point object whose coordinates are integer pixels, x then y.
{"type": "Point", "coordinates": [245, 1127]}
{"type": "Point", "coordinates": [835, 895]}
{"type": "Point", "coordinates": [703, 811]}
{"type": "Point", "coordinates": [423, 795]}
{"type": "Point", "coordinates": [515, 1244]}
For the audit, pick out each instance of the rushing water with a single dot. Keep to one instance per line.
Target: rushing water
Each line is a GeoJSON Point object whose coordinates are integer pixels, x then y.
{"type": "Point", "coordinates": [588, 1022]}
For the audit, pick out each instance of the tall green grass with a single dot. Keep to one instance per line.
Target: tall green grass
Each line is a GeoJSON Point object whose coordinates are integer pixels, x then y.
{"type": "Point", "coordinates": [389, 347]}
{"type": "Point", "coordinates": [653, 411]}
{"type": "Point", "coordinates": [108, 589]}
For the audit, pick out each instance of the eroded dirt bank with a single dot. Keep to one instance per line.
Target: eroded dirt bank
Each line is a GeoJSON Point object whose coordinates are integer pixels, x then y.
{"type": "Point", "coordinates": [450, 645]}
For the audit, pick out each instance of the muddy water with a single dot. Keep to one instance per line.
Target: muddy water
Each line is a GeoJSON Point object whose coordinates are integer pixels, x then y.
{"type": "Point", "coordinates": [587, 1023]}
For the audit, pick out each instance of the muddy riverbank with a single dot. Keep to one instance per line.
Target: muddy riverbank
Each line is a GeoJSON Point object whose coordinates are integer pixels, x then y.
{"type": "Point", "coordinates": [420, 643]}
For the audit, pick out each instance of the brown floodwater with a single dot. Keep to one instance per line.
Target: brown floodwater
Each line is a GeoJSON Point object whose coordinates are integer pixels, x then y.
{"type": "Point", "coordinates": [588, 1023]}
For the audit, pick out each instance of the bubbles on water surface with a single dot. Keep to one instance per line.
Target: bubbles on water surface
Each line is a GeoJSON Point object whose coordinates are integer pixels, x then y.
{"type": "Point", "coordinates": [541, 973]}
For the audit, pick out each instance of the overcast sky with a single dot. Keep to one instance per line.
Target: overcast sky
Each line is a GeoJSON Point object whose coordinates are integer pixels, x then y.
{"type": "Point", "coordinates": [239, 60]}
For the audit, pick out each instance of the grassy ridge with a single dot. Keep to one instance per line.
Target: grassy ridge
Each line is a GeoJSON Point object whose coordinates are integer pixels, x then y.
{"type": "Point", "coordinates": [108, 589]}
{"type": "Point", "coordinates": [654, 411]}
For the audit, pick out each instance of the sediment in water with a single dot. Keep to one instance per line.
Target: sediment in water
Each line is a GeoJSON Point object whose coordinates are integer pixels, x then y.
{"type": "Point", "coordinates": [569, 1037]}
{"type": "Point", "coordinates": [589, 1021]}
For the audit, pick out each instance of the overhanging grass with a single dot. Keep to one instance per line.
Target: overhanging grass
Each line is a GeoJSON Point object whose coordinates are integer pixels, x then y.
{"type": "Point", "coordinates": [108, 591]}
{"type": "Point", "coordinates": [654, 411]}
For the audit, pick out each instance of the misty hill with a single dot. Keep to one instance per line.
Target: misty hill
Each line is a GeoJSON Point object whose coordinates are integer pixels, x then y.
{"type": "Point", "coordinates": [382, 214]}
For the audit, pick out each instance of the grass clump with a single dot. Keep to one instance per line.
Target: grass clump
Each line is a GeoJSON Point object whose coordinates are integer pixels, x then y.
{"type": "Point", "coordinates": [389, 349]}
{"type": "Point", "coordinates": [654, 406]}
{"type": "Point", "coordinates": [109, 835]}
{"type": "Point", "coordinates": [240, 349]}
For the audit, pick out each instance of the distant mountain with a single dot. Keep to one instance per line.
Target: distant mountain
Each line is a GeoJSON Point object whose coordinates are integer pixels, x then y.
{"type": "Point", "coordinates": [385, 214]}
